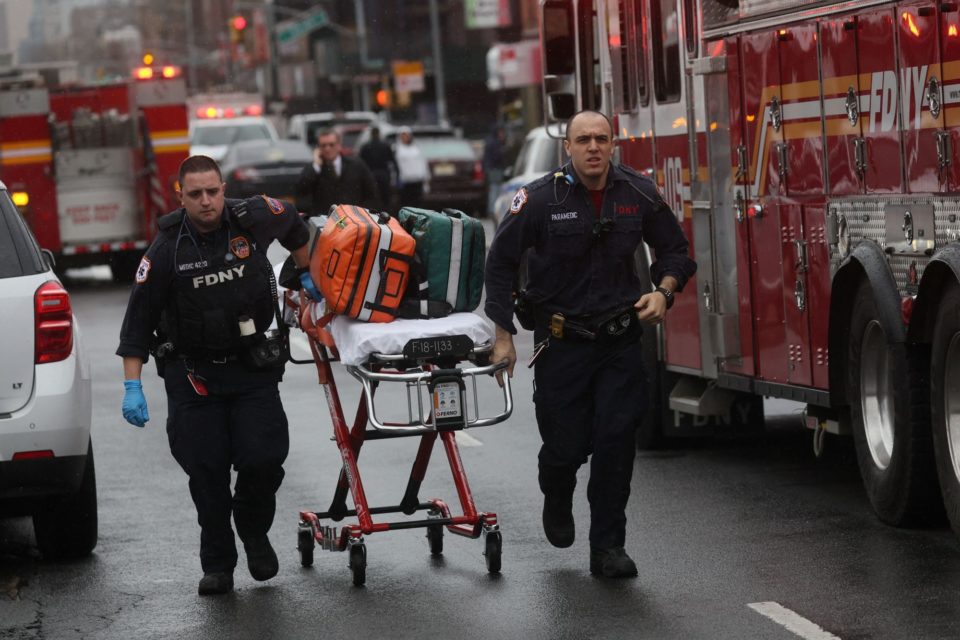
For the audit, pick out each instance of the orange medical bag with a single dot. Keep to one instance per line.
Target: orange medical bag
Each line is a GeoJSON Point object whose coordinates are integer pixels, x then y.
{"type": "Point", "coordinates": [361, 263]}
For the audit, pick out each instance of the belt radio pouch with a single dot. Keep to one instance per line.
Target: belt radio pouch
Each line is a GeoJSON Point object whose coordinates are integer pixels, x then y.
{"type": "Point", "coordinates": [556, 325]}
{"type": "Point", "coordinates": [269, 350]}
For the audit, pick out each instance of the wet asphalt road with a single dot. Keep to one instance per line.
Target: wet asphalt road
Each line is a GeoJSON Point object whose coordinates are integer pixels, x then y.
{"type": "Point", "coordinates": [715, 525]}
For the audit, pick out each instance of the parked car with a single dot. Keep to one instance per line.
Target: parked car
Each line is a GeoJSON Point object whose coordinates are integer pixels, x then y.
{"type": "Point", "coordinates": [214, 136]}
{"type": "Point", "coordinates": [388, 132]}
{"type": "Point", "coordinates": [456, 175]}
{"type": "Point", "coordinates": [538, 154]}
{"type": "Point", "coordinates": [264, 167]}
{"type": "Point", "coordinates": [349, 134]}
{"type": "Point", "coordinates": [304, 127]}
{"type": "Point", "coordinates": [46, 453]}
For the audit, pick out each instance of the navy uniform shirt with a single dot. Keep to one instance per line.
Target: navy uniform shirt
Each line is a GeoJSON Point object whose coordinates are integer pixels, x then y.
{"type": "Point", "coordinates": [581, 262]}
{"type": "Point", "coordinates": [271, 220]}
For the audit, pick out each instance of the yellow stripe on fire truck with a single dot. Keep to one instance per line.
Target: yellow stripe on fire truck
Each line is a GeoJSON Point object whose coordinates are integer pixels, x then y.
{"type": "Point", "coordinates": [170, 141]}
{"type": "Point", "coordinates": [25, 152]}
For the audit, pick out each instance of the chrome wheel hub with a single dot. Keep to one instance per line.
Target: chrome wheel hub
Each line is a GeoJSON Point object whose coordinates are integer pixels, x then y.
{"type": "Point", "coordinates": [876, 396]}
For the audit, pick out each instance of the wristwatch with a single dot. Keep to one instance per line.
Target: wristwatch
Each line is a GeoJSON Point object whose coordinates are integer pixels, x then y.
{"type": "Point", "coordinates": [666, 294]}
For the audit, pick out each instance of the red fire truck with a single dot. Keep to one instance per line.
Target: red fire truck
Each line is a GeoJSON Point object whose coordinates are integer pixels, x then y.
{"type": "Point", "coordinates": [91, 167]}
{"type": "Point", "coordinates": [809, 149]}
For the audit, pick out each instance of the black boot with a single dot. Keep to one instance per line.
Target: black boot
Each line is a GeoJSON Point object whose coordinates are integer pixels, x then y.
{"type": "Point", "coordinates": [612, 563]}
{"type": "Point", "coordinates": [558, 520]}
{"type": "Point", "coordinates": [214, 584]}
{"type": "Point", "coordinates": [261, 559]}
{"type": "Point", "coordinates": [557, 484]}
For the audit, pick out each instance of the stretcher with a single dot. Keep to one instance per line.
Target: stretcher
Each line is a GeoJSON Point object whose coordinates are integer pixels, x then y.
{"type": "Point", "coordinates": [440, 362]}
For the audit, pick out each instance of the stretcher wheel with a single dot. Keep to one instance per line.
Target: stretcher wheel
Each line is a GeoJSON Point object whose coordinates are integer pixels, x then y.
{"type": "Point", "coordinates": [305, 546]}
{"type": "Point", "coordinates": [435, 538]}
{"type": "Point", "coordinates": [358, 564]}
{"type": "Point", "coordinates": [492, 551]}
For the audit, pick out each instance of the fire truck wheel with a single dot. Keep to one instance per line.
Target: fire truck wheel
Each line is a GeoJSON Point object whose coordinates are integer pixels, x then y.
{"type": "Point", "coordinates": [889, 411]}
{"type": "Point", "coordinates": [945, 401]}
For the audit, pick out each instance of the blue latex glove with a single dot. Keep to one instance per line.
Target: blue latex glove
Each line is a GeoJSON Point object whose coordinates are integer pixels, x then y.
{"type": "Point", "coordinates": [307, 283]}
{"type": "Point", "coordinates": [134, 403]}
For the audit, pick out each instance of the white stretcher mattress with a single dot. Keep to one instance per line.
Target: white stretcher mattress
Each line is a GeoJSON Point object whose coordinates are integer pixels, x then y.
{"type": "Point", "coordinates": [357, 340]}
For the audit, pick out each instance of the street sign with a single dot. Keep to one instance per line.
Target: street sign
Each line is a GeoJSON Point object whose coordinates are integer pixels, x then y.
{"type": "Point", "coordinates": [288, 30]}
{"type": "Point", "coordinates": [407, 76]}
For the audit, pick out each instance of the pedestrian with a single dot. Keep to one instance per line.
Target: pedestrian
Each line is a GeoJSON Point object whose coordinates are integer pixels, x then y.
{"type": "Point", "coordinates": [494, 163]}
{"type": "Point", "coordinates": [583, 300]}
{"type": "Point", "coordinates": [202, 301]}
{"type": "Point", "coordinates": [333, 178]}
{"type": "Point", "coordinates": [412, 168]}
{"type": "Point", "coordinates": [378, 156]}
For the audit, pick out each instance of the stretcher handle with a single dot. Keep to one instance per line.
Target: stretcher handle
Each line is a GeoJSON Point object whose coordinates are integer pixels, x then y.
{"type": "Point", "coordinates": [480, 349]}
{"type": "Point", "coordinates": [367, 377]}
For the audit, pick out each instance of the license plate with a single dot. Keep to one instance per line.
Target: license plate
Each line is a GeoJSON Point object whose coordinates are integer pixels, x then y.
{"type": "Point", "coordinates": [444, 169]}
{"type": "Point", "coordinates": [458, 346]}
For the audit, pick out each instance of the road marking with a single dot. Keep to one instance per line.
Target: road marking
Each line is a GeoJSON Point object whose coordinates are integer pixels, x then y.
{"type": "Point", "coordinates": [466, 440]}
{"type": "Point", "coordinates": [792, 621]}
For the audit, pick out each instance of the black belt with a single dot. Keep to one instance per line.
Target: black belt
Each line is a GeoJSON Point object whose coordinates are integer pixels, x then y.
{"type": "Point", "coordinates": [601, 327]}
{"type": "Point", "coordinates": [211, 358]}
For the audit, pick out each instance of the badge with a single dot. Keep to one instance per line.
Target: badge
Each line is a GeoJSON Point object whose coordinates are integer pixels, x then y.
{"type": "Point", "coordinates": [275, 205]}
{"type": "Point", "coordinates": [518, 201]}
{"type": "Point", "coordinates": [240, 247]}
{"type": "Point", "coordinates": [143, 270]}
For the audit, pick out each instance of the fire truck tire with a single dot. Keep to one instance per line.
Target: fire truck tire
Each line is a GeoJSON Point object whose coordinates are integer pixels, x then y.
{"type": "Point", "coordinates": [66, 527]}
{"type": "Point", "coordinates": [945, 401]}
{"type": "Point", "coordinates": [889, 412]}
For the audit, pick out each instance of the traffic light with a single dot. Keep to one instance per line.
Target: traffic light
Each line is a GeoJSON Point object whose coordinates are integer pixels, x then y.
{"type": "Point", "coordinates": [237, 26]}
{"type": "Point", "coordinates": [384, 98]}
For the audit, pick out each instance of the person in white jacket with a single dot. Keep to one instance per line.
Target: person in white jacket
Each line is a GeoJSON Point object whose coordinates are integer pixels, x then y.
{"type": "Point", "coordinates": [412, 169]}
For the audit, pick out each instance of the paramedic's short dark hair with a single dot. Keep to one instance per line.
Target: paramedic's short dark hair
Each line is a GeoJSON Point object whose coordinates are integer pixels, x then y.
{"type": "Point", "coordinates": [579, 113]}
{"type": "Point", "coordinates": [198, 164]}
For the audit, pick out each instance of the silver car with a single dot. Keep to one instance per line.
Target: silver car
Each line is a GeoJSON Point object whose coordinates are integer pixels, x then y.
{"type": "Point", "coordinates": [46, 454]}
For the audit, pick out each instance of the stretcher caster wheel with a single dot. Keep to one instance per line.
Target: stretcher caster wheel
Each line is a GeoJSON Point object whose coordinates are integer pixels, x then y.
{"type": "Point", "coordinates": [358, 564]}
{"type": "Point", "coordinates": [305, 546]}
{"type": "Point", "coordinates": [435, 538]}
{"type": "Point", "coordinates": [492, 551]}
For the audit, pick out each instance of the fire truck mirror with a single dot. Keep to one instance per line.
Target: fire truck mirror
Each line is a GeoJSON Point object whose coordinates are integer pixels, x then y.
{"type": "Point", "coordinates": [559, 58]}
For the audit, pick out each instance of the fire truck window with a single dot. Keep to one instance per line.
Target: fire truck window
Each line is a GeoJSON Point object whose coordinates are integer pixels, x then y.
{"type": "Point", "coordinates": [718, 12]}
{"type": "Point", "coordinates": [690, 26]}
{"type": "Point", "coordinates": [666, 50]}
{"type": "Point", "coordinates": [558, 40]}
{"type": "Point", "coordinates": [623, 45]}
{"type": "Point", "coordinates": [639, 50]}
{"type": "Point", "coordinates": [590, 75]}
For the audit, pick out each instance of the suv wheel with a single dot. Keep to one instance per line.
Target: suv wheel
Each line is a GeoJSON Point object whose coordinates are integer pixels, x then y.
{"type": "Point", "coordinates": [66, 526]}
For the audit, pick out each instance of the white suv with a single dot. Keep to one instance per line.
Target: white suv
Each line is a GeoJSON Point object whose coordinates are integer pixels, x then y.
{"type": "Point", "coordinates": [213, 137]}
{"type": "Point", "coordinates": [46, 455]}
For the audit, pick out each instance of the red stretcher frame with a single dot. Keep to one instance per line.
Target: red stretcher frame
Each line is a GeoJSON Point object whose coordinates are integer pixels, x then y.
{"type": "Point", "coordinates": [471, 524]}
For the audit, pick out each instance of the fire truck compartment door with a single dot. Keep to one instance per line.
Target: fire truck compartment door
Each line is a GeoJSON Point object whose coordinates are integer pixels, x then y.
{"type": "Point", "coordinates": [97, 195]}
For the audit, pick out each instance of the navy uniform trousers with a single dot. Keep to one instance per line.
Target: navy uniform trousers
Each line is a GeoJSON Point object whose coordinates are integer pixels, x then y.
{"type": "Point", "coordinates": [589, 399]}
{"type": "Point", "coordinates": [240, 423]}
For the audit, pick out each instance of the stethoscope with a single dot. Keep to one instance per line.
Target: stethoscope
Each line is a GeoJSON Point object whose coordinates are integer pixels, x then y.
{"type": "Point", "coordinates": [187, 232]}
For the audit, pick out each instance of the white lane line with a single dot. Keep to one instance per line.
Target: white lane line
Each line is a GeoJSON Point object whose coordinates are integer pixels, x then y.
{"type": "Point", "coordinates": [792, 621]}
{"type": "Point", "coordinates": [466, 440]}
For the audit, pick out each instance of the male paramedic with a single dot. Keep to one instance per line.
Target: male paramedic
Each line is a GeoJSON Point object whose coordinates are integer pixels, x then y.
{"type": "Point", "coordinates": [582, 225]}
{"type": "Point", "coordinates": [202, 303]}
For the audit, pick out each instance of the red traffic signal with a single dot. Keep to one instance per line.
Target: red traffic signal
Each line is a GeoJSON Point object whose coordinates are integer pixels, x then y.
{"type": "Point", "coordinates": [238, 22]}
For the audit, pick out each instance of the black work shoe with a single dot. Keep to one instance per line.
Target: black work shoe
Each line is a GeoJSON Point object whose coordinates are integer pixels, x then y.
{"type": "Point", "coordinates": [261, 559]}
{"type": "Point", "coordinates": [558, 520]}
{"type": "Point", "coordinates": [214, 584]}
{"type": "Point", "coordinates": [612, 563]}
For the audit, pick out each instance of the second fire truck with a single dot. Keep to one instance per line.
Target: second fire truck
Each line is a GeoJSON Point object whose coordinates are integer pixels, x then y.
{"type": "Point", "coordinates": [92, 167]}
{"type": "Point", "coordinates": [810, 151]}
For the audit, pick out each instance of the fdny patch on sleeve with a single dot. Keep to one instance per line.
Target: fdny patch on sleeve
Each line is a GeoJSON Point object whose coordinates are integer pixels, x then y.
{"type": "Point", "coordinates": [518, 201]}
{"type": "Point", "coordinates": [240, 247]}
{"type": "Point", "coordinates": [143, 270]}
{"type": "Point", "coordinates": [275, 205]}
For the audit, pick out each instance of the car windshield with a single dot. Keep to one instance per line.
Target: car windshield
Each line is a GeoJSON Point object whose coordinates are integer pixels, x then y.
{"type": "Point", "coordinates": [446, 149]}
{"type": "Point", "coordinates": [268, 154]}
{"type": "Point", "coordinates": [228, 134]}
{"type": "Point", "coordinates": [538, 156]}
{"type": "Point", "coordinates": [320, 125]}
